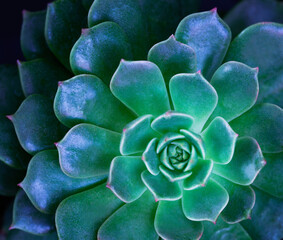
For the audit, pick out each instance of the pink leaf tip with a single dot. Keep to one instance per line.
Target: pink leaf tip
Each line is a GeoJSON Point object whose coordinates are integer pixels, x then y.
{"type": "Point", "coordinates": [200, 236]}
{"type": "Point", "coordinates": [143, 157]}
{"type": "Point", "coordinates": [249, 217]}
{"type": "Point", "coordinates": [199, 72]}
{"type": "Point", "coordinates": [20, 185]}
{"type": "Point", "coordinates": [203, 185]}
{"type": "Point", "coordinates": [85, 31]}
{"type": "Point", "coordinates": [156, 199]}
{"type": "Point", "coordinates": [10, 117]}
{"type": "Point", "coordinates": [264, 162]}
{"type": "Point", "coordinates": [56, 144]}
{"type": "Point", "coordinates": [122, 60]}
{"type": "Point", "coordinates": [19, 62]}
{"type": "Point", "coordinates": [60, 83]}
{"type": "Point", "coordinates": [11, 227]}
{"type": "Point", "coordinates": [108, 186]}
{"type": "Point", "coordinates": [214, 10]}
{"type": "Point", "coordinates": [24, 12]}
{"type": "Point", "coordinates": [124, 129]}
{"type": "Point", "coordinates": [256, 69]}
{"type": "Point", "coordinates": [172, 37]}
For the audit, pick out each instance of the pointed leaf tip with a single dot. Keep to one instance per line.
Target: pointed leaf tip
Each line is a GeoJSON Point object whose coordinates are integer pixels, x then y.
{"type": "Point", "coordinates": [214, 10]}
{"type": "Point", "coordinates": [20, 185]}
{"type": "Point", "coordinates": [19, 63]}
{"type": "Point", "coordinates": [199, 72]}
{"type": "Point", "coordinates": [10, 117]}
{"type": "Point", "coordinates": [60, 83]}
{"type": "Point", "coordinates": [85, 31]}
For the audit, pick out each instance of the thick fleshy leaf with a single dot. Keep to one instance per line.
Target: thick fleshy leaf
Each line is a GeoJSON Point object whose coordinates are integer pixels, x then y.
{"type": "Point", "coordinates": [173, 57]}
{"type": "Point", "coordinates": [205, 203]}
{"type": "Point", "coordinates": [128, 15]}
{"type": "Point", "coordinates": [219, 140]}
{"type": "Point", "coordinates": [173, 175]}
{"type": "Point", "coordinates": [125, 178]}
{"type": "Point", "coordinates": [64, 21]}
{"type": "Point", "coordinates": [200, 175]}
{"type": "Point", "coordinates": [46, 185]}
{"type": "Point", "coordinates": [237, 88]}
{"type": "Point", "coordinates": [81, 215]}
{"type": "Point", "coordinates": [161, 187]}
{"type": "Point", "coordinates": [250, 48]}
{"type": "Point", "coordinates": [33, 43]}
{"type": "Point", "coordinates": [11, 151]}
{"type": "Point", "coordinates": [99, 50]}
{"type": "Point", "coordinates": [27, 218]}
{"type": "Point", "coordinates": [87, 150]}
{"type": "Point", "coordinates": [270, 178]}
{"type": "Point", "coordinates": [11, 94]}
{"type": "Point", "coordinates": [266, 219]}
{"type": "Point", "coordinates": [209, 36]}
{"type": "Point", "coordinates": [86, 98]}
{"type": "Point", "coordinates": [9, 178]}
{"type": "Point", "coordinates": [137, 223]}
{"type": "Point", "coordinates": [246, 163]}
{"type": "Point", "coordinates": [171, 223]}
{"type": "Point", "coordinates": [150, 157]}
{"type": "Point", "coordinates": [172, 122]}
{"type": "Point", "coordinates": [193, 95]}
{"type": "Point", "coordinates": [136, 135]}
{"type": "Point", "coordinates": [264, 123]}
{"type": "Point", "coordinates": [21, 235]}
{"type": "Point", "coordinates": [241, 201]}
{"type": "Point", "coordinates": [166, 139]}
{"type": "Point", "coordinates": [35, 123]}
{"type": "Point", "coordinates": [140, 86]}
{"type": "Point", "coordinates": [41, 76]}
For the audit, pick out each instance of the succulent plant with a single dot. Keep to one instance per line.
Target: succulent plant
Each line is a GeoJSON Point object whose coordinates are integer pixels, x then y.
{"type": "Point", "coordinates": [164, 137]}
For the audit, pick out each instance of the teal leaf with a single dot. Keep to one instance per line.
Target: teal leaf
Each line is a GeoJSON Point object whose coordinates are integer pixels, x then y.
{"type": "Point", "coordinates": [173, 175]}
{"type": "Point", "coordinates": [166, 139]}
{"type": "Point", "coordinates": [219, 140]}
{"type": "Point", "coordinates": [41, 76]}
{"type": "Point", "coordinates": [241, 201]}
{"type": "Point", "coordinates": [87, 150]}
{"type": "Point", "coordinates": [33, 43]}
{"type": "Point", "coordinates": [270, 178]}
{"type": "Point", "coordinates": [209, 36]}
{"type": "Point", "coordinates": [246, 163]}
{"type": "Point", "coordinates": [86, 99]}
{"type": "Point", "coordinates": [137, 223]}
{"type": "Point", "coordinates": [141, 87]}
{"type": "Point", "coordinates": [237, 88]}
{"type": "Point", "coordinates": [173, 57]}
{"type": "Point", "coordinates": [172, 122]}
{"type": "Point", "coordinates": [27, 218]}
{"type": "Point", "coordinates": [34, 132]}
{"type": "Point", "coordinates": [99, 50]}
{"type": "Point", "coordinates": [150, 157]}
{"type": "Point", "coordinates": [250, 48]}
{"type": "Point", "coordinates": [125, 178]}
{"type": "Point", "coordinates": [161, 187]}
{"type": "Point", "coordinates": [128, 15]}
{"type": "Point", "coordinates": [82, 214]}
{"type": "Point", "coordinates": [193, 95]}
{"type": "Point", "coordinates": [171, 224]}
{"type": "Point", "coordinates": [206, 203]}
{"type": "Point", "coordinates": [136, 135]}
{"type": "Point", "coordinates": [46, 185]}
{"type": "Point", "coordinates": [61, 30]}
{"type": "Point", "coordinates": [264, 123]}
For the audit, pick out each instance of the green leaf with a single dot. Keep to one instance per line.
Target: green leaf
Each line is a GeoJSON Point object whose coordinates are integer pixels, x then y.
{"type": "Point", "coordinates": [128, 15]}
{"type": "Point", "coordinates": [21, 235]}
{"type": "Point", "coordinates": [41, 76]}
{"type": "Point", "coordinates": [64, 21]}
{"type": "Point", "coordinates": [172, 122]}
{"type": "Point", "coordinates": [11, 94]}
{"type": "Point", "coordinates": [150, 157]}
{"type": "Point", "coordinates": [173, 57]}
{"type": "Point", "coordinates": [87, 150]}
{"type": "Point", "coordinates": [173, 175]}
{"type": "Point", "coordinates": [167, 139]}
{"type": "Point", "coordinates": [250, 48]}
{"type": "Point", "coordinates": [140, 86]}
{"type": "Point", "coordinates": [11, 151]}
{"type": "Point", "coordinates": [36, 126]}
{"type": "Point", "coordinates": [171, 224]}
{"type": "Point", "coordinates": [206, 203]}
{"type": "Point", "coordinates": [125, 178]}
{"type": "Point", "coordinates": [209, 36]}
{"type": "Point", "coordinates": [219, 139]}
{"type": "Point", "coordinates": [266, 218]}
{"type": "Point", "coordinates": [241, 201]}
{"type": "Point", "coordinates": [196, 141]}
{"type": "Point", "coordinates": [85, 98]}
{"type": "Point", "coordinates": [137, 223]}
{"type": "Point", "coordinates": [237, 88]}
{"type": "Point", "coordinates": [46, 185]}
{"type": "Point", "coordinates": [246, 163]}
{"type": "Point", "coordinates": [136, 135]}
{"type": "Point", "coordinates": [193, 95]}
{"type": "Point", "coordinates": [99, 50]}
{"type": "Point", "coordinates": [81, 215]}
{"type": "Point", "coordinates": [27, 218]}
{"type": "Point", "coordinates": [264, 123]}
{"type": "Point", "coordinates": [161, 187]}
{"type": "Point", "coordinates": [33, 43]}
{"type": "Point", "coordinates": [270, 178]}
{"type": "Point", "coordinates": [200, 175]}
{"type": "Point", "coordinates": [9, 178]}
